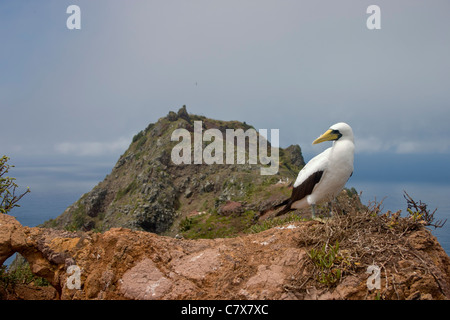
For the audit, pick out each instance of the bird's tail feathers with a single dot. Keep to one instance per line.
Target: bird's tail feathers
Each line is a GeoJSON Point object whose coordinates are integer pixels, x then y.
{"type": "Point", "coordinates": [285, 202]}
{"type": "Point", "coordinates": [286, 209]}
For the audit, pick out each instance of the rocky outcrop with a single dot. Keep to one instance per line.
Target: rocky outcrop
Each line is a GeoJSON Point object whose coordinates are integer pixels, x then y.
{"type": "Point", "coordinates": [294, 155]}
{"type": "Point", "coordinates": [145, 190]}
{"type": "Point", "coordinates": [126, 264]}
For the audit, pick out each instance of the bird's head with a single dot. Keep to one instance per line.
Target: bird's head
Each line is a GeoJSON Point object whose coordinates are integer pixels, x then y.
{"type": "Point", "coordinates": [336, 132]}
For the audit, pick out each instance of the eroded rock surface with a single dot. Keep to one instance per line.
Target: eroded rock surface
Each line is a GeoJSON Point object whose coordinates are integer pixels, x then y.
{"type": "Point", "coordinates": [126, 264]}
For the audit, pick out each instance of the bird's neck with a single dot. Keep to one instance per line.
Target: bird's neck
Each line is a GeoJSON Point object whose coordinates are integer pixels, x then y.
{"type": "Point", "coordinates": [341, 145]}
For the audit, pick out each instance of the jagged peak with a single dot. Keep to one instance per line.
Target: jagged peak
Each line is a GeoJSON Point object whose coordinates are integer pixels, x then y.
{"type": "Point", "coordinates": [146, 191]}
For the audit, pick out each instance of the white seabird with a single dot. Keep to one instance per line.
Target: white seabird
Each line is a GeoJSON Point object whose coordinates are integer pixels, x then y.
{"type": "Point", "coordinates": [325, 175]}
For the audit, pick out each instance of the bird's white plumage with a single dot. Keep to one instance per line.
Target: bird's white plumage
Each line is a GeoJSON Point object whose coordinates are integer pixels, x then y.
{"type": "Point", "coordinates": [318, 163]}
{"type": "Point", "coordinates": [337, 166]}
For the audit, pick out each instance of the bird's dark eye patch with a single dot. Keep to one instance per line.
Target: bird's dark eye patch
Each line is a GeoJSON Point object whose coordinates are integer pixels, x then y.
{"type": "Point", "coordinates": [336, 132]}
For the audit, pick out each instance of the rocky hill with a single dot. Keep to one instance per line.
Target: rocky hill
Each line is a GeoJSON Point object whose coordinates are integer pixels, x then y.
{"type": "Point", "coordinates": [146, 191]}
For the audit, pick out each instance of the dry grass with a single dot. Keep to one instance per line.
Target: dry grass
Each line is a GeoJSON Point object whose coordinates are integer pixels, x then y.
{"type": "Point", "coordinates": [364, 236]}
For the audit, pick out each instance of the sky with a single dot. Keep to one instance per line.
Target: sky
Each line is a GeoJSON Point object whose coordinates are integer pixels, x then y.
{"type": "Point", "coordinates": [79, 96]}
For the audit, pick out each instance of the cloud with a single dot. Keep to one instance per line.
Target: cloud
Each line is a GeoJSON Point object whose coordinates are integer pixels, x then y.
{"type": "Point", "coordinates": [92, 148]}
{"type": "Point", "coordinates": [371, 144]}
{"type": "Point", "coordinates": [423, 146]}
{"type": "Point", "coordinates": [407, 147]}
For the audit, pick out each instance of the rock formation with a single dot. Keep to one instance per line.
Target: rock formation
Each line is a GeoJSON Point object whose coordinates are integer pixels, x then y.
{"type": "Point", "coordinates": [147, 191]}
{"type": "Point", "coordinates": [273, 264]}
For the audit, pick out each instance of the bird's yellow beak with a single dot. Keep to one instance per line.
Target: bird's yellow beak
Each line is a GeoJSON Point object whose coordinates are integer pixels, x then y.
{"type": "Point", "coordinates": [329, 135]}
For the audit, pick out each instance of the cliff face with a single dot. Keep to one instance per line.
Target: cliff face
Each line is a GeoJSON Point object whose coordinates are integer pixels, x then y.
{"type": "Point", "coordinates": [147, 191]}
{"type": "Point", "coordinates": [296, 260]}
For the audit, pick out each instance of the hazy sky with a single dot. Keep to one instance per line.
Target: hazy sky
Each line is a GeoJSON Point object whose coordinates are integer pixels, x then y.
{"type": "Point", "coordinates": [298, 66]}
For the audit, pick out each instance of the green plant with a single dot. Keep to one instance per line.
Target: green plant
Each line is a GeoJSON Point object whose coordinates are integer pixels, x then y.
{"type": "Point", "coordinates": [20, 275]}
{"type": "Point", "coordinates": [186, 224]}
{"type": "Point", "coordinates": [326, 259]}
{"type": "Point", "coordinates": [214, 225]}
{"type": "Point", "coordinates": [138, 136]}
{"type": "Point", "coordinates": [351, 192]}
{"type": "Point", "coordinates": [8, 196]}
{"type": "Point", "coordinates": [130, 188]}
{"type": "Point", "coordinates": [78, 218]}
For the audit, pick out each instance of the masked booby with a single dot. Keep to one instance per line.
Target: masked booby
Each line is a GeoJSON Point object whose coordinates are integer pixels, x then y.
{"type": "Point", "coordinates": [325, 175]}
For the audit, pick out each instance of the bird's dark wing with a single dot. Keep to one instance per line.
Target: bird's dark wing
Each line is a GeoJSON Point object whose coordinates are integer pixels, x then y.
{"type": "Point", "coordinates": [306, 188]}
{"type": "Point", "coordinates": [301, 191]}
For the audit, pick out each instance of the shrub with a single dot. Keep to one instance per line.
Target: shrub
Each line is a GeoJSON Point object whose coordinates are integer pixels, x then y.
{"type": "Point", "coordinates": [8, 196]}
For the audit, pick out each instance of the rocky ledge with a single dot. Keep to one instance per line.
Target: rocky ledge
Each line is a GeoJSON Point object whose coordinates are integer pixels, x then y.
{"type": "Point", "coordinates": [279, 263]}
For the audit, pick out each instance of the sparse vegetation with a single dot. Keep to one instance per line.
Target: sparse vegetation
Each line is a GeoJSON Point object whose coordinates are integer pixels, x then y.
{"type": "Point", "coordinates": [186, 224]}
{"type": "Point", "coordinates": [214, 225]}
{"type": "Point", "coordinates": [132, 186]}
{"type": "Point", "coordinates": [419, 213]}
{"type": "Point", "coordinates": [8, 197]}
{"type": "Point", "coordinates": [327, 260]}
{"type": "Point", "coordinates": [138, 136]}
{"type": "Point", "coordinates": [21, 274]}
{"type": "Point", "coordinates": [362, 236]}
{"type": "Point", "coordinates": [78, 218]}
